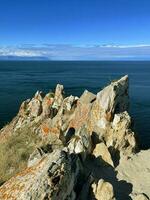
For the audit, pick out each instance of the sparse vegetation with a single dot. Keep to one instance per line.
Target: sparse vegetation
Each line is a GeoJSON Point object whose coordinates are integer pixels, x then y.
{"type": "Point", "coordinates": [15, 151]}
{"type": "Point", "coordinates": [51, 95]}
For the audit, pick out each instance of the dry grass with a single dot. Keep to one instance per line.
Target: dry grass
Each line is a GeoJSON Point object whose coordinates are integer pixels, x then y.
{"type": "Point", "coordinates": [15, 152]}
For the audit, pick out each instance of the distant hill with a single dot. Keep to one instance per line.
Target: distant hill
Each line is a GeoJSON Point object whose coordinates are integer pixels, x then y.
{"type": "Point", "coordinates": [23, 58]}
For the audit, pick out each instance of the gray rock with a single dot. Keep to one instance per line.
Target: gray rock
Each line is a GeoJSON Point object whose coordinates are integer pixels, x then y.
{"type": "Point", "coordinates": [51, 178]}
{"type": "Point", "coordinates": [139, 197]}
{"type": "Point", "coordinates": [103, 190]}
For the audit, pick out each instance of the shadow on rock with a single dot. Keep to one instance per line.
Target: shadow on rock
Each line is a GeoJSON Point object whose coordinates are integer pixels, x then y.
{"type": "Point", "coordinates": [99, 169]}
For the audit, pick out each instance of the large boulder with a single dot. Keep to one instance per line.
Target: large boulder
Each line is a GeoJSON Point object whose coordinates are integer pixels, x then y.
{"type": "Point", "coordinates": [111, 100]}
{"type": "Point", "coordinates": [103, 190]}
{"type": "Point", "coordinates": [136, 170]}
{"type": "Point", "coordinates": [53, 177]}
{"type": "Point", "coordinates": [81, 143]}
{"type": "Point", "coordinates": [102, 154]}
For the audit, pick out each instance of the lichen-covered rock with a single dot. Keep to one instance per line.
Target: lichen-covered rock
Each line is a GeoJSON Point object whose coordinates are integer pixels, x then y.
{"type": "Point", "coordinates": [121, 137]}
{"type": "Point", "coordinates": [37, 155]}
{"type": "Point", "coordinates": [80, 142]}
{"type": "Point", "coordinates": [112, 99]}
{"type": "Point", "coordinates": [110, 120]}
{"type": "Point", "coordinates": [103, 190]}
{"type": "Point", "coordinates": [53, 177]}
{"type": "Point", "coordinates": [82, 110]}
{"type": "Point", "coordinates": [58, 97]}
{"type": "Point", "coordinates": [46, 104]}
{"type": "Point", "coordinates": [66, 136]}
{"type": "Point", "coordinates": [34, 107]}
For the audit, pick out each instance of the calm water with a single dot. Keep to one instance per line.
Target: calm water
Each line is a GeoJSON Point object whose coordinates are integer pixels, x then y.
{"type": "Point", "coordinates": [20, 80]}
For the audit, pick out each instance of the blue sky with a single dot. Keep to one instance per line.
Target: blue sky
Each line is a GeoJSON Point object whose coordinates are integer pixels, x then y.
{"type": "Point", "coordinates": [76, 29]}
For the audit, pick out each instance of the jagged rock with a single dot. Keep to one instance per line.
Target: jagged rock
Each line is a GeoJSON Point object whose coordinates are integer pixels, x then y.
{"type": "Point", "coordinates": [121, 137]}
{"type": "Point", "coordinates": [23, 108]}
{"type": "Point", "coordinates": [35, 105]}
{"type": "Point", "coordinates": [38, 154]}
{"type": "Point", "coordinates": [80, 143]}
{"type": "Point", "coordinates": [83, 109]}
{"type": "Point", "coordinates": [59, 124]}
{"type": "Point", "coordinates": [65, 112]}
{"type": "Point", "coordinates": [87, 97]}
{"type": "Point", "coordinates": [46, 104]}
{"type": "Point", "coordinates": [58, 97]}
{"type": "Point", "coordinates": [103, 190]}
{"type": "Point", "coordinates": [101, 153]}
{"type": "Point", "coordinates": [110, 120]}
{"type": "Point", "coordinates": [70, 124]}
{"type": "Point", "coordinates": [53, 177]}
{"type": "Point", "coordinates": [112, 99]}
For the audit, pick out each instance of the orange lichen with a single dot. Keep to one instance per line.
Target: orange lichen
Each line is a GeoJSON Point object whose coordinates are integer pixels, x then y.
{"type": "Point", "coordinates": [45, 129]}
{"type": "Point", "coordinates": [55, 130]}
{"type": "Point", "coordinates": [81, 115]}
{"type": "Point", "coordinates": [49, 101]}
{"type": "Point", "coordinates": [15, 184]}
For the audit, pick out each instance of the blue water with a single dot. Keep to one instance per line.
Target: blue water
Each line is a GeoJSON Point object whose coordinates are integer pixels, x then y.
{"type": "Point", "coordinates": [19, 80]}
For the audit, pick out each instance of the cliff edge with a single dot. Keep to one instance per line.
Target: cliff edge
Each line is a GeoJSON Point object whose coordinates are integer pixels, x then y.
{"type": "Point", "coordinates": [67, 148]}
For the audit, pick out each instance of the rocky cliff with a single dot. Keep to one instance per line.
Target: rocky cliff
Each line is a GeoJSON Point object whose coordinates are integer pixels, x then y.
{"type": "Point", "coordinates": [67, 148]}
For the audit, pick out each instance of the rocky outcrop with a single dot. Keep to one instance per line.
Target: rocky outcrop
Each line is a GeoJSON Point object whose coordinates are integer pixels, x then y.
{"type": "Point", "coordinates": [53, 177]}
{"type": "Point", "coordinates": [78, 146]}
{"type": "Point", "coordinates": [103, 190]}
{"type": "Point", "coordinates": [101, 154]}
{"type": "Point", "coordinates": [136, 170]}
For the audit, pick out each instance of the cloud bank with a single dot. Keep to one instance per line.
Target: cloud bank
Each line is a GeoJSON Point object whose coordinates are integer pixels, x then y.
{"type": "Point", "coordinates": [80, 52]}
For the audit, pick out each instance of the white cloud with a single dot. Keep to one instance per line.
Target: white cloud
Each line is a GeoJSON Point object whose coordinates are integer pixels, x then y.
{"type": "Point", "coordinates": [81, 52]}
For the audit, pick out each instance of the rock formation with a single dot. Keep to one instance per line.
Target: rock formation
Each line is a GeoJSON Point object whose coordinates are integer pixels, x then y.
{"type": "Point", "coordinates": [71, 148]}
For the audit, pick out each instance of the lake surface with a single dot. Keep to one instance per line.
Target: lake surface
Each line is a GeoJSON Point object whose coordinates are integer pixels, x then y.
{"type": "Point", "coordinates": [19, 80]}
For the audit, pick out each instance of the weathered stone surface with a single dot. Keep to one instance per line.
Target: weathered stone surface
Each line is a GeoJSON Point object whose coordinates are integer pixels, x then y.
{"type": "Point", "coordinates": [112, 99]}
{"type": "Point", "coordinates": [58, 97]}
{"type": "Point", "coordinates": [101, 153]}
{"type": "Point", "coordinates": [51, 178]}
{"type": "Point", "coordinates": [36, 156]}
{"type": "Point", "coordinates": [34, 107]}
{"type": "Point", "coordinates": [139, 197]}
{"type": "Point", "coordinates": [65, 151]}
{"type": "Point", "coordinates": [136, 170]}
{"type": "Point", "coordinates": [103, 190]}
{"type": "Point", "coordinates": [121, 136]}
{"type": "Point", "coordinates": [83, 109]}
{"type": "Point", "coordinates": [46, 104]}
{"type": "Point", "coordinates": [81, 143]}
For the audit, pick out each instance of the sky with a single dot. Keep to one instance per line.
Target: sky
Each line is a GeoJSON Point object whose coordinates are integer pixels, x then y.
{"type": "Point", "coordinates": [75, 29]}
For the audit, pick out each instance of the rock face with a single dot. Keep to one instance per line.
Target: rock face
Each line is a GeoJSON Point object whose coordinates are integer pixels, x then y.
{"type": "Point", "coordinates": [53, 177]}
{"type": "Point", "coordinates": [74, 146]}
{"type": "Point", "coordinates": [101, 153]}
{"type": "Point", "coordinates": [136, 171]}
{"type": "Point", "coordinates": [103, 190]}
{"type": "Point", "coordinates": [139, 197]}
